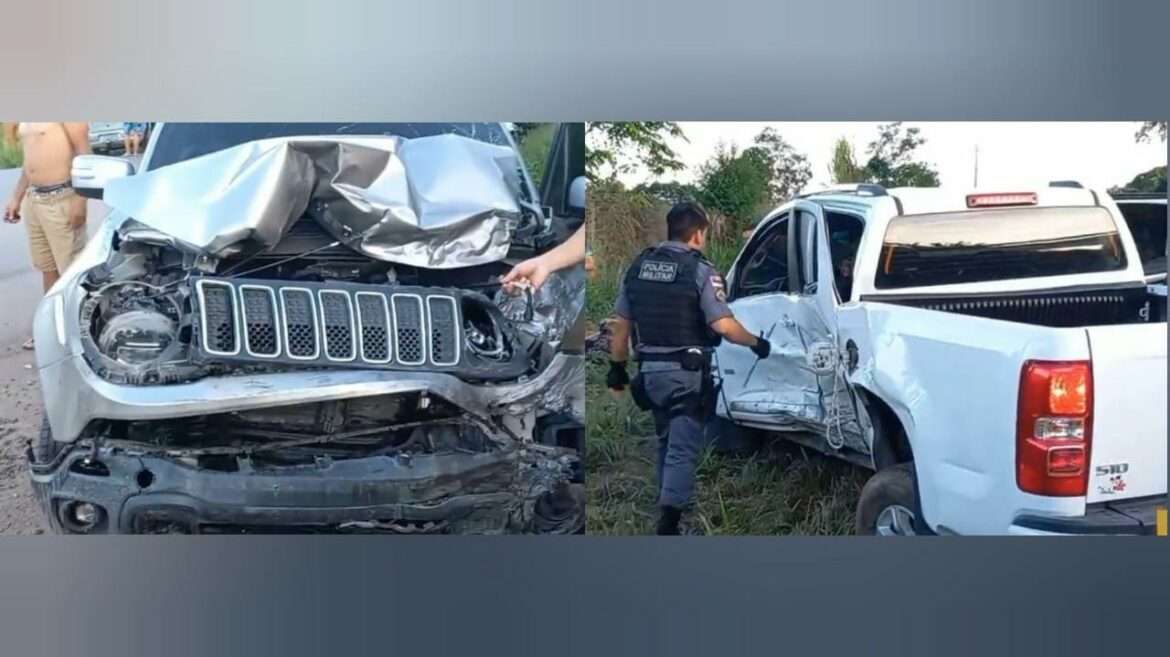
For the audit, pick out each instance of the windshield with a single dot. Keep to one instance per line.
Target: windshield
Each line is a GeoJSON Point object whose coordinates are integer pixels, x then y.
{"type": "Point", "coordinates": [183, 141]}
{"type": "Point", "coordinates": [992, 245]}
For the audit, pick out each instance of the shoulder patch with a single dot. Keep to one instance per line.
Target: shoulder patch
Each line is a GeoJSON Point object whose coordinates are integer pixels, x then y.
{"type": "Point", "coordinates": [658, 271]}
{"type": "Point", "coordinates": [718, 286]}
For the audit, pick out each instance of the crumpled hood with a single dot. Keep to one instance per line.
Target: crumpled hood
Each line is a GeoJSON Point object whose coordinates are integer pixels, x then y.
{"type": "Point", "coordinates": [437, 202]}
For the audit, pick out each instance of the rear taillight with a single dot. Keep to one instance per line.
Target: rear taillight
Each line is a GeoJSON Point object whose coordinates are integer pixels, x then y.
{"type": "Point", "coordinates": [1054, 428]}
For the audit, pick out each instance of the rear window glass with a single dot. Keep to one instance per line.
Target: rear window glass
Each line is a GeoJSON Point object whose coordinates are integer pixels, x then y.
{"type": "Point", "coordinates": [999, 244]}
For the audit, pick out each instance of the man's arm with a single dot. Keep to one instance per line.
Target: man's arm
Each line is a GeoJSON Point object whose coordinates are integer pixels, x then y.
{"type": "Point", "coordinates": [12, 210]}
{"type": "Point", "coordinates": [733, 331]}
{"type": "Point", "coordinates": [536, 270]}
{"type": "Point", "coordinates": [78, 134]}
{"type": "Point", "coordinates": [619, 339]}
{"type": "Point", "coordinates": [713, 301]}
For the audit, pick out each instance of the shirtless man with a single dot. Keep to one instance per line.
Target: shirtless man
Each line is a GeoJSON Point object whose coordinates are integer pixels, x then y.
{"type": "Point", "coordinates": [54, 213]}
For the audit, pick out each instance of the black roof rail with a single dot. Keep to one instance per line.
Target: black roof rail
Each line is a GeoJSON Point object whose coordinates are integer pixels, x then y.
{"type": "Point", "coordinates": [1066, 183]}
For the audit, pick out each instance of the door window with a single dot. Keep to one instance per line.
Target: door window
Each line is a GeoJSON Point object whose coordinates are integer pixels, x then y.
{"type": "Point", "coordinates": [844, 237]}
{"type": "Point", "coordinates": [765, 262]}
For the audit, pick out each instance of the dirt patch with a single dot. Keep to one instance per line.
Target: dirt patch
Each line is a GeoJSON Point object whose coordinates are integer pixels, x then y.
{"type": "Point", "coordinates": [20, 419]}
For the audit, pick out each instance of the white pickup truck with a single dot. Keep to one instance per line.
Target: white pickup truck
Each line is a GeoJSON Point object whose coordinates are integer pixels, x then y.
{"type": "Point", "coordinates": [997, 358]}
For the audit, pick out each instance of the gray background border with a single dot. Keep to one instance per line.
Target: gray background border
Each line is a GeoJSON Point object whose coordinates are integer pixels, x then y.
{"type": "Point", "coordinates": [601, 60]}
{"type": "Point", "coordinates": [574, 60]}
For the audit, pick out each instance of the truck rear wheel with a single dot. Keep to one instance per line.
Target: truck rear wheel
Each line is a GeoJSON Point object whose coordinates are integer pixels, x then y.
{"type": "Point", "coordinates": [889, 504]}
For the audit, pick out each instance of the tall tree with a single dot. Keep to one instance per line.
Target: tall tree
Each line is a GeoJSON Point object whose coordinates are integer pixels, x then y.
{"type": "Point", "coordinates": [843, 168]}
{"type": "Point", "coordinates": [614, 148]}
{"type": "Point", "coordinates": [736, 183]}
{"type": "Point", "coordinates": [891, 162]}
{"type": "Point", "coordinates": [790, 169]}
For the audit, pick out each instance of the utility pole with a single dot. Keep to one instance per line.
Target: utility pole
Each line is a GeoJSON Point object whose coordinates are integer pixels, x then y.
{"type": "Point", "coordinates": [976, 165]}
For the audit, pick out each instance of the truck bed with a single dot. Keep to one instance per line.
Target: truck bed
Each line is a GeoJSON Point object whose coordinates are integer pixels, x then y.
{"type": "Point", "coordinates": [1064, 308]}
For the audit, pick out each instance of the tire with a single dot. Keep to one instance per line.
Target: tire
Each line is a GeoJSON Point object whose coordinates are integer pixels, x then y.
{"type": "Point", "coordinates": [889, 504]}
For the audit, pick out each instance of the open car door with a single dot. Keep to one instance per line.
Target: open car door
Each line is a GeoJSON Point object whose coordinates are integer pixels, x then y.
{"type": "Point", "coordinates": [781, 286]}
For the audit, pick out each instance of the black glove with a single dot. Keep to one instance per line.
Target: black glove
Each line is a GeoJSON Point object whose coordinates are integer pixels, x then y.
{"type": "Point", "coordinates": [763, 348]}
{"type": "Point", "coordinates": [617, 379]}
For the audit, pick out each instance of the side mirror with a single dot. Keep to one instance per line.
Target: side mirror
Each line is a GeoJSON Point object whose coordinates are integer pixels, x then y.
{"type": "Point", "coordinates": [575, 200]}
{"type": "Point", "coordinates": [91, 173]}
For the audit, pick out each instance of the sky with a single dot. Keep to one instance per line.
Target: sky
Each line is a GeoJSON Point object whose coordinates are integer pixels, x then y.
{"type": "Point", "coordinates": [1011, 155]}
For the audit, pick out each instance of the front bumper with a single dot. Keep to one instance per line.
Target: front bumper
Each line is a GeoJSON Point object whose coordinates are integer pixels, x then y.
{"type": "Point", "coordinates": [1127, 517]}
{"type": "Point", "coordinates": [74, 395]}
{"type": "Point", "coordinates": [464, 493]}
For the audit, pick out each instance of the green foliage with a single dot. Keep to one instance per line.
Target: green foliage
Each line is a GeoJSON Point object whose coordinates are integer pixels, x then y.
{"type": "Point", "coordinates": [670, 192]}
{"type": "Point", "coordinates": [790, 169]}
{"type": "Point", "coordinates": [736, 183]}
{"type": "Point", "coordinates": [1151, 181]}
{"type": "Point", "coordinates": [890, 159]}
{"type": "Point", "coordinates": [11, 155]}
{"type": "Point", "coordinates": [722, 252]}
{"type": "Point", "coordinates": [1149, 128]}
{"type": "Point", "coordinates": [844, 168]}
{"type": "Point", "coordinates": [535, 141]}
{"type": "Point", "coordinates": [612, 146]}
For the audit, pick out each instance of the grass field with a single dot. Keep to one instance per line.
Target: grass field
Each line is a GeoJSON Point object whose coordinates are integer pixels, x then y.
{"type": "Point", "coordinates": [780, 489]}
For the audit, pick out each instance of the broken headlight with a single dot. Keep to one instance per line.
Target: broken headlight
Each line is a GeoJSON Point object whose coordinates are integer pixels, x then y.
{"type": "Point", "coordinates": [130, 330]}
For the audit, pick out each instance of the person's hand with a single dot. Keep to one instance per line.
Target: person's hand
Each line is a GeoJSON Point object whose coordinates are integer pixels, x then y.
{"type": "Point", "coordinates": [762, 349]}
{"type": "Point", "coordinates": [77, 213]}
{"type": "Point", "coordinates": [12, 211]}
{"type": "Point", "coordinates": [590, 268]}
{"type": "Point", "coordinates": [532, 272]}
{"type": "Point", "coordinates": [617, 379]}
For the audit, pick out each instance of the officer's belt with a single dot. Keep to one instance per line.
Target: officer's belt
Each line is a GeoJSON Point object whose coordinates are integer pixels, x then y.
{"type": "Point", "coordinates": [694, 358]}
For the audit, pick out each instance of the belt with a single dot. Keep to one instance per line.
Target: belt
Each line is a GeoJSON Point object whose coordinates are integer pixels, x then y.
{"type": "Point", "coordinates": [49, 189]}
{"type": "Point", "coordinates": [691, 358]}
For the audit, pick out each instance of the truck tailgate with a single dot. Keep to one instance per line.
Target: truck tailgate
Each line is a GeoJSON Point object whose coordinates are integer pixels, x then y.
{"type": "Point", "coordinates": [1128, 457]}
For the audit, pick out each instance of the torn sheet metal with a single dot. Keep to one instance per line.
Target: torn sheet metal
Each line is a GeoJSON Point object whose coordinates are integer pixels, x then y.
{"type": "Point", "coordinates": [550, 311]}
{"type": "Point", "coordinates": [438, 202]}
{"type": "Point", "coordinates": [801, 386]}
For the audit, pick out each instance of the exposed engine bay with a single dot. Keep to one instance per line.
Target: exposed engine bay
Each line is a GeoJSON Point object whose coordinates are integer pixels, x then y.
{"type": "Point", "coordinates": [155, 314]}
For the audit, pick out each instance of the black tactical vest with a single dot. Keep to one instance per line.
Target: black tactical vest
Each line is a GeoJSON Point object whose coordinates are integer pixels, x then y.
{"type": "Point", "coordinates": [663, 292]}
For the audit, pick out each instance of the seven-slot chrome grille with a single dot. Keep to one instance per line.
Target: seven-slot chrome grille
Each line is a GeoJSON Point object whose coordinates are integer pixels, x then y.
{"type": "Point", "coordinates": [328, 323]}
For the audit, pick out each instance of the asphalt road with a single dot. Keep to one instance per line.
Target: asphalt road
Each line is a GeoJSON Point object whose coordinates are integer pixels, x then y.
{"type": "Point", "coordinates": [20, 396]}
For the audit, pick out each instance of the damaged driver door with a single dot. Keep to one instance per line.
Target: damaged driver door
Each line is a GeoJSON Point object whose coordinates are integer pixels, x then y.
{"type": "Point", "coordinates": [781, 286]}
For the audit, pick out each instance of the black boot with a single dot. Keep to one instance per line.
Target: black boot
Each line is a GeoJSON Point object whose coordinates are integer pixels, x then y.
{"type": "Point", "coordinates": [668, 521]}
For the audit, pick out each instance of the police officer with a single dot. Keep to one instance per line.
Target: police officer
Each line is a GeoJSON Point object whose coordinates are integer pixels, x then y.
{"type": "Point", "coordinates": [677, 304]}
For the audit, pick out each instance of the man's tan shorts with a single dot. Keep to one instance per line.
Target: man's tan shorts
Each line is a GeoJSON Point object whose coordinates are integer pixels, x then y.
{"type": "Point", "coordinates": [53, 242]}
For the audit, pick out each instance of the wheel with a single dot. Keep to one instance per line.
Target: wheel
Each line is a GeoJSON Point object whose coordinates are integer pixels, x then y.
{"type": "Point", "coordinates": [889, 504]}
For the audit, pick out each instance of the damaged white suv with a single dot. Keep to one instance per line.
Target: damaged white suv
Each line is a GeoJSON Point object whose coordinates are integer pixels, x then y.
{"type": "Point", "coordinates": [997, 357]}
{"type": "Point", "coordinates": [299, 327]}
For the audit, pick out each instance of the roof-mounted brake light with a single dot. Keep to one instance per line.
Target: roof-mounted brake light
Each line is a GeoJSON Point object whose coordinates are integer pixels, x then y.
{"type": "Point", "coordinates": [1001, 200]}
